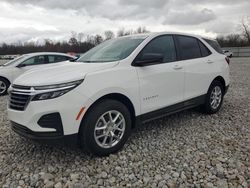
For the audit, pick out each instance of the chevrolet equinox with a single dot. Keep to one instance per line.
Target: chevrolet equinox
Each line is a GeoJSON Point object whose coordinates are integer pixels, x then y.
{"type": "Point", "coordinates": [97, 101]}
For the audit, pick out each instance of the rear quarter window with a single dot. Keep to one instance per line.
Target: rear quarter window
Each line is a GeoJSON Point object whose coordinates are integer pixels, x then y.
{"type": "Point", "coordinates": [215, 45]}
{"type": "Point", "coordinates": [204, 50]}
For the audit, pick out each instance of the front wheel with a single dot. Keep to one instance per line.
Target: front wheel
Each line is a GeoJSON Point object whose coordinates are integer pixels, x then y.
{"type": "Point", "coordinates": [106, 127]}
{"type": "Point", "coordinates": [4, 85]}
{"type": "Point", "coordinates": [214, 98]}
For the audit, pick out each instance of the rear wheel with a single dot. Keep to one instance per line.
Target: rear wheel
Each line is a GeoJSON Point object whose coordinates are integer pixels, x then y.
{"type": "Point", "coordinates": [4, 85]}
{"type": "Point", "coordinates": [214, 98]}
{"type": "Point", "coordinates": [105, 128]}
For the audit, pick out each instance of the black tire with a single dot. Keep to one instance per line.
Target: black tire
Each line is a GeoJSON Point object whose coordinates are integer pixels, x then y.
{"type": "Point", "coordinates": [207, 107]}
{"type": "Point", "coordinates": [4, 83]}
{"type": "Point", "coordinates": [87, 129]}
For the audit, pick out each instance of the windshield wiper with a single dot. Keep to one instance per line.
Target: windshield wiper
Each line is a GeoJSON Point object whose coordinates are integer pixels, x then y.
{"type": "Point", "coordinates": [97, 61]}
{"type": "Point", "coordinates": [90, 61]}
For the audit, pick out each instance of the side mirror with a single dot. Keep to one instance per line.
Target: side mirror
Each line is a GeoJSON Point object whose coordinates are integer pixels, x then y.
{"type": "Point", "coordinates": [21, 65]}
{"type": "Point", "coordinates": [149, 59]}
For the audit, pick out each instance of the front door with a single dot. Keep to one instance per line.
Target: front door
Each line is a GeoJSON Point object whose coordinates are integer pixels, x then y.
{"type": "Point", "coordinates": [162, 84]}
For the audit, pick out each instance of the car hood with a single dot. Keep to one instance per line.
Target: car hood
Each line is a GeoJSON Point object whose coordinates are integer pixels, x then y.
{"type": "Point", "coordinates": [60, 73]}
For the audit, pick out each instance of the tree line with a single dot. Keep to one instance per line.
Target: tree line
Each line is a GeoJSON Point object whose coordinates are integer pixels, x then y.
{"type": "Point", "coordinates": [80, 43]}
{"type": "Point", "coordinates": [237, 40]}
{"type": "Point", "coordinates": [77, 43]}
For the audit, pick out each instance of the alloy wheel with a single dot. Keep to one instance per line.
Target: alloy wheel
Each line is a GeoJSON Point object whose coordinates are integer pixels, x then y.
{"type": "Point", "coordinates": [3, 87]}
{"type": "Point", "coordinates": [215, 97]}
{"type": "Point", "coordinates": [109, 129]}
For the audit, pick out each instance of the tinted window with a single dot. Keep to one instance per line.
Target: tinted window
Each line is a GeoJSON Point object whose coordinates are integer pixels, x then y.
{"type": "Point", "coordinates": [57, 58]}
{"type": "Point", "coordinates": [189, 47]}
{"type": "Point", "coordinates": [204, 50]}
{"type": "Point", "coordinates": [162, 45]}
{"type": "Point", "coordinates": [37, 60]}
{"type": "Point", "coordinates": [215, 45]}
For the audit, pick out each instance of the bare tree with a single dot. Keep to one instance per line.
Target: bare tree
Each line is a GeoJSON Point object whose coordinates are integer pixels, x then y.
{"type": "Point", "coordinates": [233, 39]}
{"type": "Point", "coordinates": [73, 40]}
{"type": "Point", "coordinates": [141, 30]}
{"type": "Point", "coordinates": [80, 37]}
{"type": "Point", "coordinates": [98, 39]}
{"type": "Point", "coordinates": [73, 34]}
{"type": "Point", "coordinates": [121, 32]}
{"type": "Point", "coordinates": [109, 35]}
{"type": "Point", "coordinates": [246, 28]}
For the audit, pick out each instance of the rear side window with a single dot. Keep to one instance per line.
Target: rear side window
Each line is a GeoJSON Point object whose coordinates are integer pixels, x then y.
{"type": "Point", "coordinates": [162, 45]}
{"type": "Point", "coordinates": [189, 47]}
{"type": "Point", "coordinates": [57, 58]}
{"type": "Point", "coordinates": [204, 50]}
{"type": "Point", "coordinates": [215, 45]}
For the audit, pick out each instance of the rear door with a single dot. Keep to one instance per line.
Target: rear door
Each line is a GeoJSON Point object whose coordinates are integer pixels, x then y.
{"type": "Point", "coordinates": [162, 84]}
{"type": "Point", "coordinates": [199, 66]}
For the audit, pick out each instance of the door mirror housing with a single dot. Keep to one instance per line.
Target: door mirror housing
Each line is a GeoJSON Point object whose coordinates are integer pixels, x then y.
{"type": "Point", "coordinates": [149, 59]}
{"type": "Point", "coordinates": [21, 65]}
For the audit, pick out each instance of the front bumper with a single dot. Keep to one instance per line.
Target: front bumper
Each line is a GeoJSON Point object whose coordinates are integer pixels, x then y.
{"type": "Point", "coordinates": [37, 120]}
{"type": "Point", "coordinates": [45, 137]}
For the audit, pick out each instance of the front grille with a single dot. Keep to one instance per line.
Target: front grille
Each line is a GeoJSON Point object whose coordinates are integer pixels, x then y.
{"type": "Point", "coordinates": [18, 101]}
{"type": "Point", "coordinates": [19, 97]}
{"type": "Point", "coordinates": [21, 87]}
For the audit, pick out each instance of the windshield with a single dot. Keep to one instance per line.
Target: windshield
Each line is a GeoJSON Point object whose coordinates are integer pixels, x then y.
{"type": "Point", "coordinates": [15, 60]}
{"type": "Point", "coordinates": [112, 50]}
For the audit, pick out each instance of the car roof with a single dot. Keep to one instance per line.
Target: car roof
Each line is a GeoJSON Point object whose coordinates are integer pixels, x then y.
{"type": "Point", "coordinates": [48, 53]}
{"type": "Point", "coordinates": [154, 34]}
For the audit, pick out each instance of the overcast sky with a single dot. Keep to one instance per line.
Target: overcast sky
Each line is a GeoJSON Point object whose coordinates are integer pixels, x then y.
{"type": "Point", "coordinates": [30, 20]}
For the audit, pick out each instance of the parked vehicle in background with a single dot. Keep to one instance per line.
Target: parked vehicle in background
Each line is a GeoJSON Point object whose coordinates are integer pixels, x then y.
{"type": "Point", "coordinates": [14, 68]}
{"type": "Point", "coordinates": [123, 82]}
{"type": "Point", "coordinates": [228, 53]}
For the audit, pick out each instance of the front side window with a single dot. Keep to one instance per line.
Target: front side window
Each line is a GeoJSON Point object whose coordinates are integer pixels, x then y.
{"type": "Point", "coordinates": [163, 45]}
{"type": "Point", "coordinates": [189, 47]}
{"type": "Point", "coordinates": [37, 60]}
{"type": "Point", "coordinates": [113, 50]}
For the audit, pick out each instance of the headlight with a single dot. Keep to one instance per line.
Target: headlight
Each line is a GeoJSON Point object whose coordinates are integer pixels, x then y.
{"type": "Point", "coordinates": [54, 91]}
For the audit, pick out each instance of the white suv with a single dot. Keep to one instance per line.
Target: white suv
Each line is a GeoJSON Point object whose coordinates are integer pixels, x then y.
{"type": "Point", "coordinates": [97, 101]}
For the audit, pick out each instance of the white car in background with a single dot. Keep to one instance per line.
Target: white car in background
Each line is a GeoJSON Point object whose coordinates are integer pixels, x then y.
{"type": "Point", "coordinates": [14, 68]}
{"type": "Point", "coordinates": [228, 53]}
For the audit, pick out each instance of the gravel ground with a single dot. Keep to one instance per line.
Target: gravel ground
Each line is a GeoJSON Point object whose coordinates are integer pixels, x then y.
{"type": "Point", "coordinates": [187, 149]}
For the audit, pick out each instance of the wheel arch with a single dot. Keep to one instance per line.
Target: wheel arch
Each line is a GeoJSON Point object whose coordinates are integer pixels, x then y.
{"type": "Point", "coordinates": [2, 77]}
{"type": "Point", "coordinates": [115, 96]}
{"type": "Point", "coordinates": [221, 80]}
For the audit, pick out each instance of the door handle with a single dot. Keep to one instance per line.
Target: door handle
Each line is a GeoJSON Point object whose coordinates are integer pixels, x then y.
{"type": "Point", "coordinates": [177, 67]}
{"type": "Point", "coordinates": [209, 62]}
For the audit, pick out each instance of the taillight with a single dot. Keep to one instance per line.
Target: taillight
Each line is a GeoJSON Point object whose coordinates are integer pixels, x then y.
{"type": "Point", "coordinates": [227, 60]}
